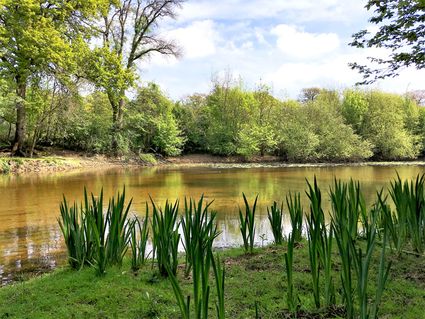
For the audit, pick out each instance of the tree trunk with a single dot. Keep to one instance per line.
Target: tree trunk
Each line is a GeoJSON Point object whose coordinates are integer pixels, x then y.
{"type": "Point", "coordinates": [18, 143]}
{"type": "Point", "coordinates": [117, 116]}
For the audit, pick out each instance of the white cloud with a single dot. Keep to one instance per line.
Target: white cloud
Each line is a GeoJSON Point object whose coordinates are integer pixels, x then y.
{"type": "Point", "coordinates": [299, 10]}
{"type": "Point", "coordinates": [197, 39]}
{"type": "Point", "coordinates": [297, 43]}
{"type": "Point", "coordinates": [288, 44]}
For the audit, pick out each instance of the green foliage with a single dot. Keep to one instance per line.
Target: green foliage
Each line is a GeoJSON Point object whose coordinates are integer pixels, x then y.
{"type": "Point", "coordinates": [384, 127]}
{"type": "Point", "coordinates": [166, 237]}
{"type": "Point", "coordinates": [400, 28]}
{"type": "Point", "coordinates": [247, 224]}
{"type": "Point", "coordinates": [151, 124]}
{"type": "Point", "coordinates": [148, 158]}
{"type": "Point", "coordinates": [275, 216]}
{"type": "Point", "coordinates": [409, 219]}
{"type": "Point", "coordinates": [296, 214]}
{"type": "Point", "coordinates": [93, 237]}
{"type": "Point", "coordinates": [199, 229]}
{"type": "Point", "coordinates": [139, 235]}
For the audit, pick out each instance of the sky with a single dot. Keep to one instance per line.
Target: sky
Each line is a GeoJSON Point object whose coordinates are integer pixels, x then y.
{"type": "Point", "coordinates": [285, 44]}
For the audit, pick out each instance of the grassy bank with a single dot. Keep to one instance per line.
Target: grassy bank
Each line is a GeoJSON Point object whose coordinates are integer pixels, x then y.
{"type": "Point", "coordinates": [250, 279]}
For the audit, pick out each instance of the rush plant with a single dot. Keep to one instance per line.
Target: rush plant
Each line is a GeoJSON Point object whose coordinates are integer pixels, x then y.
{"type": "Point", "coordinates": [247, 224]}
{"type": "Point", "coordinates": [166, 237]}
{"type": "Point", "coordinates": [296, 213]}
{"type": "Point", "coordinates": [275, 216]}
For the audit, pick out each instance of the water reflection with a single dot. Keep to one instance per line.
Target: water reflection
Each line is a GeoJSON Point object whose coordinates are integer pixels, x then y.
{"type": "Point", "coordinates": [30, 236]}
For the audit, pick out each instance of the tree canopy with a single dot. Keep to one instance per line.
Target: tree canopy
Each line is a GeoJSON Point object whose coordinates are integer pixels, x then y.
{"type": "Point", "coordinates": [401, 29]}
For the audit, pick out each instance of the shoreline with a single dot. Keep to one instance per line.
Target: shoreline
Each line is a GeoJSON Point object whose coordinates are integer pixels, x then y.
{"type": "Point", "coordinates": [55, 163]}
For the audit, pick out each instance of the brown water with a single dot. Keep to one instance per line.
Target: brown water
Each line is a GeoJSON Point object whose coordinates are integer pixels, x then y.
{"type": "Point", "coordinates": [30, 237]}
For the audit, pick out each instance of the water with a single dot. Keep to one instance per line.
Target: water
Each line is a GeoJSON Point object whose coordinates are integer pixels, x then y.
{"type": "Point", "coordinates": [30, 238]}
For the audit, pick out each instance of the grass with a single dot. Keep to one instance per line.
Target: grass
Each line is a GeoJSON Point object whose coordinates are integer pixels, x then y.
{"type": "Point", "coordinates": [259, 277]}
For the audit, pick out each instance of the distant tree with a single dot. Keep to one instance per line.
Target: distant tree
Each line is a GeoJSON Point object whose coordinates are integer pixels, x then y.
{"type": "Point", "coordinates": [418, 96]}
{"type": "Point", "coordinates": [129, 34]}
{"type": "Point", "coordinates": [401, 29]}
{"type": "Point", "coordinates": [309, 94]}
{"type": "Point", "coordinates": [151, 124]}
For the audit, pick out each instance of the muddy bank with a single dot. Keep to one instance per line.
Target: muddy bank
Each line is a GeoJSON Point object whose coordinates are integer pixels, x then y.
{"type": "Point", "coordinates": [62, 161]}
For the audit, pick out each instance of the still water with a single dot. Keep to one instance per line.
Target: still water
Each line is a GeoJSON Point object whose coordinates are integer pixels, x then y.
{"type": "Point", "coordinates": [30, 237]}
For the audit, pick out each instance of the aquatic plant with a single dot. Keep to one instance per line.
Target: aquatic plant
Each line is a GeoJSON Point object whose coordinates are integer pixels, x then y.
{"type": "Point", "coordinates": [315, 229]}
{"type": "Point", "coordinates": [166, 237]}
{"type": "Point", "coordinates": [247, 224]}
{"type": "Point", "coordinates": [409, 201]}
{"type": "Point", "coordinates": [296, 214]}
{"type": "Point", "coordinates": [138, 241]}
{"type": "Point", "coordinates": [199, 229]}
{"type": "Point", "coordinates": [275, 216]}
{"type": "Point", "coordinates": [291, 298]}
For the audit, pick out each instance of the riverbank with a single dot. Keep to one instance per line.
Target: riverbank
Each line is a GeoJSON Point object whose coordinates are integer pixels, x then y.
{"type": "Point", "coordinates": [63, 161]}
{"type": "Point", "coordinates": [250, 279]}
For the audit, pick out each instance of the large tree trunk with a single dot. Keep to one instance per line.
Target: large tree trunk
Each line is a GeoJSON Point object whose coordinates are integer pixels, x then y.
{"type": "Point", "coordinates": [18, 143]}
{"type": "Point", "coordinates": [117, 117]}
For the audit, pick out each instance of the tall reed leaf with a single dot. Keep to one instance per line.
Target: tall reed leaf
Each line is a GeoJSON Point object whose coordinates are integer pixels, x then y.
{"type": "Point", "coordinates": [165, 237]}
{"type": "Point", "coordinates": [296, 213]}
{"type": "Point", "coordinates": [247, 224]}
{"type": "Point", "coordinates": [275, 216]}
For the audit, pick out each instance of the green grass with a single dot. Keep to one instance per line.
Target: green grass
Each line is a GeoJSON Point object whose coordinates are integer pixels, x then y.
{"type": "Point", "coordinates": [258, 278]}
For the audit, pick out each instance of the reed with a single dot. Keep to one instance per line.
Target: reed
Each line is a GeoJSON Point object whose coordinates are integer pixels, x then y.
{"type": "Point", "coordinates": [247, 224]}
{"type": "Point", "coordinates": [275, 216]}
{"type": "Point", "coordinates": [291, 298]}
{"type": "Point", "coordinates": [220, 276]}
{"type": "Point", "coordinates": [166, 237]}
{"type": "Point", "coordinates": [199, 228]}
{"type": "Point", "coordinates": [296, 213]}
{"type": "Point", "coordinates": [118, 228]}
{"type": "Point", "coordinates": [96, 230]}
{"type": "Point", "coordinates": [138, 241]}
{"type": "Point", "coordinates": [72, 226]}
{"type": "Point", "coordinates": [409, 201]}
{"type": "Point", "coordinates": [321, 238]}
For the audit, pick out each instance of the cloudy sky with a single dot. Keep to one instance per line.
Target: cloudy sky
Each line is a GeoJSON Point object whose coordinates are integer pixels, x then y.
{"type": "Point", "coordinates": [287, 44]}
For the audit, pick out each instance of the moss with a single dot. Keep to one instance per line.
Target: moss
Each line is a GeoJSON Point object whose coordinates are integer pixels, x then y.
{"type": "Point", "coordinates": [250, 279]}
{"type": "Point", "coordinates": [148, 159]}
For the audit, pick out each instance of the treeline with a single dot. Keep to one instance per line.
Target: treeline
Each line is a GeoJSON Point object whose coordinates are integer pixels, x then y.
{"type": "Point", "coordinates": [322, 125]}
{"type": "Point", "coordinates": [56, 50]}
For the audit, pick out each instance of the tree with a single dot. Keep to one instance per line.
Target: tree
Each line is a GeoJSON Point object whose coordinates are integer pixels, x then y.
{"type": "Point", "coordinates": [37, 37]}
{"type": "Point", "coordinates": [129, 34]}
{"type": "Point", "coordinates": [401, 29]}
{"type": "Point", "coordinates": [151, 124]}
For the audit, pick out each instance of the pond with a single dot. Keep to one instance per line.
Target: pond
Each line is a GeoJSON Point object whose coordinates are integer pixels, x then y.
{"type": "Point", "coordinates": [30, 239]}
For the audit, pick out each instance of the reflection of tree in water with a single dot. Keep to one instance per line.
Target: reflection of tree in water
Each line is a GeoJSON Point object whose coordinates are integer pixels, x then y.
{"type": "Point", "coordinates": [30, 237]}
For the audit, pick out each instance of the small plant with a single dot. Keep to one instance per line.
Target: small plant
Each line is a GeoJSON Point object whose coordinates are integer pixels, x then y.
{"type": "Point", "coordinates": [72, 224]}
{"type": "Point", "coordinates": [409, 201]}
{"type": "Point", "coordinates": [166, 237]}
{"type": "Point", "coordinates": [291, 298]}
{"type": "Point", "coordinates": [148, 158]}
{"type": "Point", "coordinates": [275, 216]}
{"type": "Point", "coordinates": [315, 229]}
{"type": "Point", "coordinates": [247, 224]}
{"type": "Point", "coordinates": [296, 214]}
{"type": "Point", "coordinates": [220, 276]}
{"type": "Point", "coordinates": [139, 238]}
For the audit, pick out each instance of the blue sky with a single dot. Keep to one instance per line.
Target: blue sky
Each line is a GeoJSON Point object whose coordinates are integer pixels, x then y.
{"type": "Point", "coordinates": [287, 44]}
